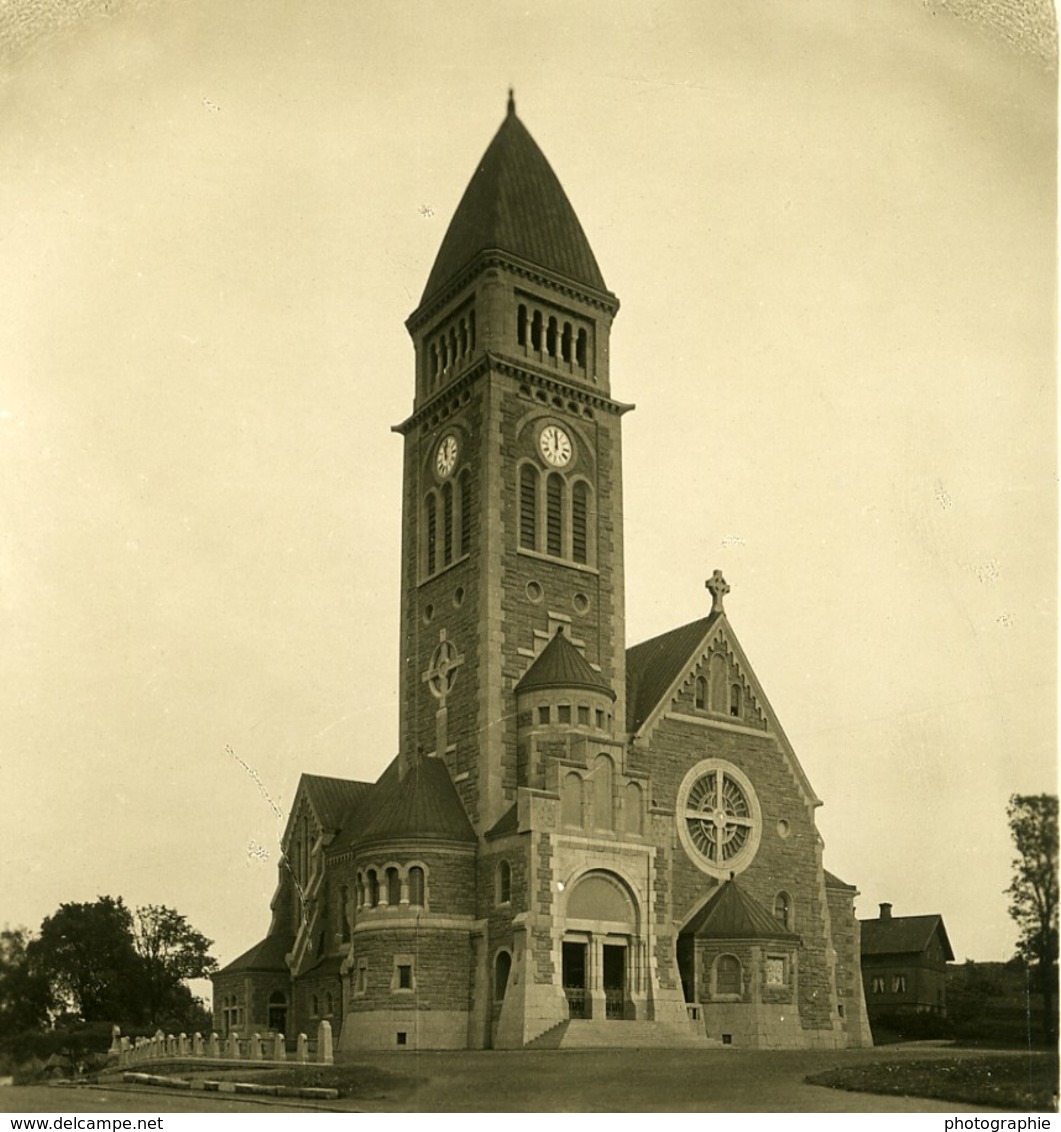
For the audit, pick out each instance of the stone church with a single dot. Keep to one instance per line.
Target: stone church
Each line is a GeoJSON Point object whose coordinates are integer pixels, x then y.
{"type": "Point", "coordinates": [579, 842]}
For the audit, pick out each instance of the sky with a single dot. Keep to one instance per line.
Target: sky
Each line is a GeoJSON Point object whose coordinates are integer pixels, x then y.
{"type": "Point", "coordinates": [831, 226]}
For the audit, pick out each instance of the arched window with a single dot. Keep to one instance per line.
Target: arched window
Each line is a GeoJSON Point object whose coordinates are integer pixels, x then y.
{"type": "Point", "coordinates": [504, 882]}
{"type": "Point", "coordinates": [394, 886]}
{"type": "Point", "coordinates": [602, 793]}
{"type": "Point", "coordinates": [718, 674]}
{"type": "Point", "coordinates": [359, 890]}
{"type": "Point", "coordinates": [572, 800]}
{"type": "Point", "coordinates": [432, 532]}
{"type": "Point", "coordinates": [528, 507]}
{"type": "Point", "coordinates": [536, 331]}
{"type": "Point", "coordinates": [502, 967]}
{"type": "Point", "coordinates": [447, 523]}
{"type": "Point", "coordinates": [373, 888]}
{"type": "Point", "coordinates": [701, 693]}
{"type": "Point", "coordinates": [727, 975]}
{"type": "Point", "coordinates": [416, 886]}
{"type": "Point", "coordinates": [579, 521]}
{"type": "Point", "coordinates": [550, 338]}
{"type": "Point", "coordinates": [521, 325]}
{"type": "Point", "coordinates": [632, 808]}
{"type": "Point", "coordinates": [554, 515]}
{"type": "Point", "coordinates": [565, 342]}
{"type": "Point", "coordinates": [580, 349]}
{"type": "Point", "coordinates": [783, 909]}
{"type": "Point", "coordinates": [735, 700]}
{"type": "Point", "coordinates": [464, 485]}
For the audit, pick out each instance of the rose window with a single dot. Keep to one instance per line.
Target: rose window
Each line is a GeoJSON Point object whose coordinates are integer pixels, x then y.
{"type": "Point", "coordinates": [718, 818]}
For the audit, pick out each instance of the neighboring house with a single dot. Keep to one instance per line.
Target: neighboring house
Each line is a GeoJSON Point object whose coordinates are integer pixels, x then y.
{"type": "Point", "coordinates": [575, 834]}
{"type": "Point", "coordinates": [904, 964]}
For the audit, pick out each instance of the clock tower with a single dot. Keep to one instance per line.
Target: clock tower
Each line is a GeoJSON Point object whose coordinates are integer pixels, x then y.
{"type": "Point", "coordinates": [512, 526]}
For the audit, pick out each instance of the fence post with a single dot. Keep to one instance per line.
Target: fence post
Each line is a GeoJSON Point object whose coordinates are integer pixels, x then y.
{"type": "Point", "coordinates": [182, 1043]}
{"type": "Point", "coordinates": [324, 1043]}
{"type": "Point", "coordinates": [215, 1045]}
{"type": "Point", "coordinates": [303, 1048]}
{"type": "Point", "coordinates": [279, 1048]}
{"type": "Point", "coordinates": [116, 1044]}
{"type": "Point", "coordinates": [197, 1044]}
{"type": "Point", "coordinates": [256, 1047]}
{"type": "Point", "coordinates": [233, 1045]}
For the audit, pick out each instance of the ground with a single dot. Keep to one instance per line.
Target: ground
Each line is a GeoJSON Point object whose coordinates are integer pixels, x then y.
{"type": "Point", "coordinates": [729, 1080]}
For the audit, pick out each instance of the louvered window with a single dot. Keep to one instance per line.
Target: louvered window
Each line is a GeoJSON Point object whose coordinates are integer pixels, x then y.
{"type": "Point", "coordinates": [579, 521]}
{"type": "Point", "coordinates": [447, 523]}
{"type": "Point", "coordinates": [466, 513]}
{"type": "Point", "coordinates": [432, 533]}
{"type": "Point", "coordinates": [554, 515]}
{"type": "Point", "coordinates": [528, 507]}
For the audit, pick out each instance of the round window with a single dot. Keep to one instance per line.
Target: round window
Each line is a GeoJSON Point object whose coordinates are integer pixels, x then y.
{"type": "Point", "coordinates": [719, 821]}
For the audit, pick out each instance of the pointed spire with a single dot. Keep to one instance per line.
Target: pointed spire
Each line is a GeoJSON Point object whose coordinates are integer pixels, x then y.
{"type": "Point", "coordinates": [511, 101]}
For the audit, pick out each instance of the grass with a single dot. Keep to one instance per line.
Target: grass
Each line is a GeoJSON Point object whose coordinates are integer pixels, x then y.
{"type": "Point", "coordinates": [1028, 1083]}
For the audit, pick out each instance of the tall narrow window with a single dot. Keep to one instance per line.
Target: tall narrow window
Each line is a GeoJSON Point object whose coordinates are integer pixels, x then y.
{"type": "Point", "coordinates": [502, 967]}
{"type": "Point", "coordinates": [521, 325]}
{"type": "Point", "coordinates": [571, 803]}
{"type": "Point", "coordinates": [416, 886]}
{"type": "Point", "coordinates": [579, 521]}
{"type": "Point", "coordinates": [632, 808]}
{"type": "Point", "coordinates": [565, 342]}
{"type": "Point", "coordinates": [504, 882]}
{"type": "Point", "coordinates": [550, 338]}
{"type": "Point", "coordinates": [528, 507]}
{"type": "Point", "coordinates": [701, 693]}
{"type": "Point", "coordinates": [464, 337]}
{"type": "Point", "coordinates": [373, 888]}
{"type": "Point", "coordinates": [432, 532]}
{"type": "Point", "coordinates": [447, 523]}
{"type": "Point", "coordinates": [466, 513]}
{"type": "Point", "coordinates": [344, 915]}
{"type": "Point", "coordinates": [728, 975]}
{"type": "Point", "coordinates": [735, 700]}
{"type": "Point", "coordinates": [554, 515]}
{"type": "Point", "coordinates": [394, 887]}
{"type": "Point", "coordinates": [602, 792]}
{"type": "Point", "coordinates": [471, 331]}
{"type": "Point", "coordinates": [536, 331]}
{"type": "Point", "coordinates": [580, 349]}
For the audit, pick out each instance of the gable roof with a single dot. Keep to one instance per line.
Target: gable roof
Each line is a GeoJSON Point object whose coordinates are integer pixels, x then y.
{"type": "Point", "coordinates": [654, 665]}
{"type": "Point", "coordinates": [833, 881]}
{"type": "Point", "coordinates": [333, 799]}
{"type": "Point", "coordinates": [561, 665]}
{"type": "Point", "coordinates": [903, 935]}
{"type": "Point", "coordinates": [506, 824]}
{"type": "Point", "coordinates": [424, 804]}
{"type": "Point", "coordinates": [732, 913]}
{"type": "Point", "coordinates": [268, 954]}
{"type": "Point", "coordinates": [515, 203]}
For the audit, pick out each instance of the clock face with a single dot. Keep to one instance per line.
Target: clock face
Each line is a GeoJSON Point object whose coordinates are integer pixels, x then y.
{"type": "Point", "coordinates": [446, 456]}
{"type": "Point", "coordinates": [555, 445]}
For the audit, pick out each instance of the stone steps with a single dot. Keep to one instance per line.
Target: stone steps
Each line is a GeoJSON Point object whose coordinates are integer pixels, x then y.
{"type": "Point", "coordinates": [590, 1034]}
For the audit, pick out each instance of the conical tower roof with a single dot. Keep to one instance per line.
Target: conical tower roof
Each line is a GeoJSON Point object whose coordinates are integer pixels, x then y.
{"type": "Point", "coordinates": [561, 665]}
{"type": "Point", "coordinates": [732, 913]}
{"type": "Point", "coordinates": [514, 203]}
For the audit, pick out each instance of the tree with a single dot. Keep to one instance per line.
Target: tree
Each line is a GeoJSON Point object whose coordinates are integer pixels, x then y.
{"type": "Point", "coordinates": [170, 951]}
{"type": "Point", "coordinates": [1033, 892]}
{"type": "Point", "coordinates": [25, 998]}
{"type": "Point", "coordinates": [86, 953]}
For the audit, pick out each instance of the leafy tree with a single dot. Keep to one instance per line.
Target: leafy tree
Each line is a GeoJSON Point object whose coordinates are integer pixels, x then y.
{"type": "Point", "coordinates": [86, 953]}
{"type": "Point", "coordinates": [170, 951]}
{"type": "Point", "coordinates": [1033, 892]}
{"type": "Point", "coordinates": [25, 997]}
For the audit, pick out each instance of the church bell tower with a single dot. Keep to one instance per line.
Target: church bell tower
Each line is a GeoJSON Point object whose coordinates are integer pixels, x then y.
{"type": "Point", "coordinates": [512, 502]}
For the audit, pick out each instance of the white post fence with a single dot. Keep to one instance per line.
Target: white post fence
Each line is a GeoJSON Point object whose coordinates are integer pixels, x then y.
{"type": "Point", "coordinates": [261, 1048]}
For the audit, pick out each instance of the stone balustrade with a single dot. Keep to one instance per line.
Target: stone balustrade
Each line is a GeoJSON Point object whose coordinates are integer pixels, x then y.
{"type": "Point", "coordinates": [262, 1048]}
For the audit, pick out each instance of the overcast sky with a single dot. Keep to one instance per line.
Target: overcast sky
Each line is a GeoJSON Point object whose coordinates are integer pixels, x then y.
{"type": "Point", "coordinates": [832, 229]}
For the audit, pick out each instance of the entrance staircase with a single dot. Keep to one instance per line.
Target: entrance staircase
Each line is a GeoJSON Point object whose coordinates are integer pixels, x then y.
{"type": "Point", "coordinates": [587, 1033]}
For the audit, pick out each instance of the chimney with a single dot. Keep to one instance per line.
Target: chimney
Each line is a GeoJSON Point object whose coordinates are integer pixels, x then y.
{"type": "Point", "coordinates": [885, 911]}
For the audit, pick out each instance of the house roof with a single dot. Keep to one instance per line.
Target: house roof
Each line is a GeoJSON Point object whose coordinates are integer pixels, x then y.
{"type": "Point", "coordinates": [732, 913]}
{"type": "Point", "coordinates": [654, 665]}
{"type": "Point", "coordinates": [266, 955]}
{"type": "Point", "coordinates": [903, 935]}
{"type": "Point", "coordinates": [334, 798]}
{"type": "Point", "coordinates": [561, 665]}
{"type": "Point", "coordinates": [423, 804]}
{"type": "Point", "coordinates": [514, 203]}
{"type": "Point", "coordinates": [833, 881]}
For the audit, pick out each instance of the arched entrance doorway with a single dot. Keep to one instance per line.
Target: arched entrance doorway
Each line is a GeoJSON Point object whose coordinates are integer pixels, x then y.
{"type": "Point", "coordinates": [602, 957]}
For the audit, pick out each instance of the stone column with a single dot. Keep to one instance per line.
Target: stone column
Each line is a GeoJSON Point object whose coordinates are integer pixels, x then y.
{"type": "Point", "coordinates": [197, 1044]}
{"type": "Point", "coordinates": [325, 1054]}
{"type": "Point", "coordinates": [279, 1048]}
{"type": "Point", "coordinates": [232, 1045]}
{"type": "Point", "coordinates": [214, 1046]}
{"type": "Point", "coordinates": [303, 1048]}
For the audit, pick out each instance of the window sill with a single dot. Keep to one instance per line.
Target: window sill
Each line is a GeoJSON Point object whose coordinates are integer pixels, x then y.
{"type": "Point", "coordinates": [443, 569]}
{"type": "Point", "coordinates": [581, 567]}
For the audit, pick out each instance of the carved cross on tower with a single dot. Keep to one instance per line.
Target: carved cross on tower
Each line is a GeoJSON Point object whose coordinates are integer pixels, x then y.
{"type": "Point", "coordinates": [440, 676]}
{"type": "Point", "coordinates": [719, 587]}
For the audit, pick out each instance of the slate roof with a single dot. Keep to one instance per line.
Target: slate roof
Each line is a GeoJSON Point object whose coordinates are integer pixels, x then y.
{"type": "Point", "coordinates": [903, 935]}
{"type": "Point", "coordinates": [508, 823]}
{"type": "Point", "coordinates": [654, 665]}
{"type": "Point", "coordinates": [266, 955]}
{"type": "Point", "coordinates": [561, 665]}
{"type": "Point", "coordinates": [334, 798]}
{"type": "Point", "coordinates": [833, 881]}
{"type": "Point", "coordinates": [732, 913]}
{"type": "Point", "coordinates": [514, 203]}
{"type": "Point", "coordinates": [424, 804]}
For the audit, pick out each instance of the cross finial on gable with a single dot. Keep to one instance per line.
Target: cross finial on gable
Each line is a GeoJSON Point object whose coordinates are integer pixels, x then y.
{"type": "Point", "coordinates": [719, 587]}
